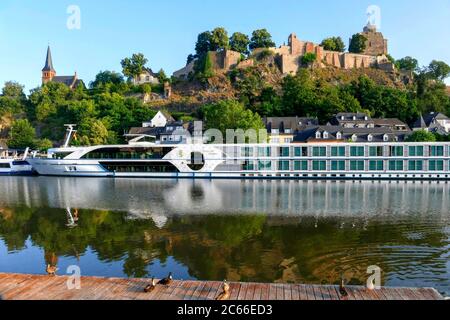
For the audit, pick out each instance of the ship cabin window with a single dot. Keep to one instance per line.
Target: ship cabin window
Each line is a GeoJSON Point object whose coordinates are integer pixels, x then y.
{"type": "Point", "coordinates": [300, 151]}
{"type": "Point", "coordinates": [284, 152]}
{"type": "Point", "coordinates": [197, 161]}
{"type": "Point", "coordinates": [247, 152]}
{"type": "Point", "coordinates": [319, 165]}
{"type": "Point", "coordinates": [396, 165]}
{"type": "Point", "coordinates": [436, 165]}
{"type": "Point", "coordinates": [416, 151]}
{"type": "Point", "coordinates": [436, 151]}
{"type": "Point", "coordinates": [337, 165]}
{"type": "Point", "coordinates": [415, 165]}
{"type": "Point", "coordinates": [396, 151]}
{"type": "Point", "coordinates": [376, 165]}
{"type": "Point", "coordinates": [264, 151]}
{"type": "Point", "coordinates": [301, 165]}
{"type": "Point", "coordinates": [338, 151]}
{"type": "Point", "coordinates": [138, 153]}
{"type": "Point", "coordinates": [375, 151]}
{"type": "Point", "coordinates": [283, 166]}
{"type": "Point", "coordinates": [319, 151]}
{"type": "Point", "coordinates": [4, 166]}
{"type": "Point", "coordinates": [356, 165]}
{"type": "Point", "coordinates": [156, 167]}
{"type": "Point", "coordinates": [21, 163]}
{"type": "Point", "coordinates": [357, 151]}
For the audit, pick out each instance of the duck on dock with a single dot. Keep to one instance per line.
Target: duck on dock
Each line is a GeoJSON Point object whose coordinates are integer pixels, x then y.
{"type": "Point", "coordinates": [225, 294]}
{"type": "Point", "coordinates": [51, 270]}
{"type": "Point", "coordinates": [342, 289]}
{"type": "Point", "coordinates": [166, 281]}
{"type": "Point", "coordinates": [151, 286]}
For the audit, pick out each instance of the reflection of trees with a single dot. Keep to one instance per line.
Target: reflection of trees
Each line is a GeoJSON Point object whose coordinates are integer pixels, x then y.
{"type": "Point", "coordinates": [247, 248]}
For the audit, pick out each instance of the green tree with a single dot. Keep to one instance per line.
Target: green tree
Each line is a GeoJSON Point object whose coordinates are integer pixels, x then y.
{"type": "Point", "coordinates": [358, 43]}
{"type": "Point", "coordinates": [261, 39]}
{"type": "Point", "coordinates": [219, 39]}
{"type": "Point", "coordinates": [308, 58]}
{"type": "Point", "coordinates": [21, 135]}
{"type": "Point", "coordinates": [106, 77]}
{"type": "Point", "coordinates": [421, 136]}
{"type": "Point", "coordinates": [162, 77]}
{"type": "Point", "coordinates": [333, 44]}
{"type": "Point", "coordinates": [204, 67]}
{"type": "Point", "coordinates": [133, 67]}
{"type": "Point", "coordinates": [408, 63]}
{"type": "Point", "coordinates": [439, 70]}
{"type": "Point", "coordinates": [203, 44]}
{"type": "Point", "coordinates": [230, 114]}
{"type": "Point", "coordinates": [43, 144]}
{"type": "Point", "coordinates": [13, 90]}
{"type": "Point", "coordinates": [239, 42]}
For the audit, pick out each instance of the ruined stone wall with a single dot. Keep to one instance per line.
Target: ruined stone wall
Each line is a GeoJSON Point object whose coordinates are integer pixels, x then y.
{"type": "Point", "coordinates": [376, 44]}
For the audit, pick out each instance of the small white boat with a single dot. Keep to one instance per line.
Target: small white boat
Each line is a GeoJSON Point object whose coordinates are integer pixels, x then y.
{"type": "Point", "coordinates": [12, 162]}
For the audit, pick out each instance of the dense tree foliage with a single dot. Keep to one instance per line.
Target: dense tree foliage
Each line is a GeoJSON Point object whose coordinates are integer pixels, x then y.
{"type": "Point", "coordinates": [239, 42]}
{"type": "Point", "coordinates": [358, 43]}
{"type": "Point", "coordinates": [421, 136]}
{"type": "Point", "coordinates": [407, 63]}
{"type": "Point", "coordinates": [333, 44]}
{"type": "Point", "coordinates": [261, 39]}
{"type": "Point", "coordinates": [133, 67]}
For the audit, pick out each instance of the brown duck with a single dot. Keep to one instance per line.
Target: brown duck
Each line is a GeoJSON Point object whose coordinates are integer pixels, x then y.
{"type": "Point", "coordinates": [342, 289]}
{"type": "Point", "coordinates": [51, 270]}
{"type": "Point", "coordinates": [166, 281]}
{"type": "Point", "coordinates": [151, 286]}
{"type": "Point", "coordinates": [225, 294]}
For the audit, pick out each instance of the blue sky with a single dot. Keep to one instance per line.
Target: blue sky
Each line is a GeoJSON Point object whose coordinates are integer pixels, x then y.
{"type": "Point", "coordinates": [165, 31]}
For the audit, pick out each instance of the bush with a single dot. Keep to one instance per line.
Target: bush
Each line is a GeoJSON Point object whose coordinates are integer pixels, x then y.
{"type": "Point", "coordinates": [421, 136]}
{"type": "Point", "coordinates": [308, 58]}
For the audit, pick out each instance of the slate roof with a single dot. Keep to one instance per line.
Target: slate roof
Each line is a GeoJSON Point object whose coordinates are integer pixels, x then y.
{"type": "Point", "coordinates": [292, 123]}
{"type": "Point", "coordinates": [49, 61]}
{"type": "Point", "coordinates": [348, 117]}
{"type": "Point", "coordinates": [428, 120]}
{"type": "Point", "coordinates": [70, 81]}
{"type": "Point", "coordinates": [362, 134]}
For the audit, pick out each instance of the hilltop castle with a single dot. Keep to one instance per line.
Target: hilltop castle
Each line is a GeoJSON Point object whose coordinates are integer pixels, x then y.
{"type": "Point", "coordinates": [49, 74]}
{"type": "Point", "coordinates": [288, 57]}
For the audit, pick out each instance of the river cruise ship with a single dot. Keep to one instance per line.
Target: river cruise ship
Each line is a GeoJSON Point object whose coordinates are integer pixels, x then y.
{"type": "Point", "coordinates": [355, 161]}
{"type": "Point", "coordinates": [12, 162]}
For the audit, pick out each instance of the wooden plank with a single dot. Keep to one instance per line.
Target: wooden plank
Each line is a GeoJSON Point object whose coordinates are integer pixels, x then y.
{"type": "Point", "coordinates": [39, 287]}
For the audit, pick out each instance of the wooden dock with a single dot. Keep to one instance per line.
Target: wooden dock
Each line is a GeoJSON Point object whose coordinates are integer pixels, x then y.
{"type": "Point", "coordinates": [38, 287]}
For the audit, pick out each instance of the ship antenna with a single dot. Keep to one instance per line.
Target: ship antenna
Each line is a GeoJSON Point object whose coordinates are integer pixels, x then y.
{"type": "Point", "coordinates": [70, 131]}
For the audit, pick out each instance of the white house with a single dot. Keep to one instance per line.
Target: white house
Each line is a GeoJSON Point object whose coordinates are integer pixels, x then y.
{"type": "Point", "coordinates": [160, 120]}
{"type": "Point", "coordinates": [147, 76]}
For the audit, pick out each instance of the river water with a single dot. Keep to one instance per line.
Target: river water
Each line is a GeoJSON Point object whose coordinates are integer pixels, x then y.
{"type": "Point", "coordinates": [264, 231]}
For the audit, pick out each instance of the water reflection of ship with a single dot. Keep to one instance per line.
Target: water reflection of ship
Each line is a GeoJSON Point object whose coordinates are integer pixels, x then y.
{"type": "Point", "coordinates": [144, 198]}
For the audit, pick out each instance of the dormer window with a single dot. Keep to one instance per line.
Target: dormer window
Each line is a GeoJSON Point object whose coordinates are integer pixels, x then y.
{"type": "Point", "coordinates": [325, 135]}
{"type": "Point", "coordinates": [354, 138]}
{"type": "Point", "coordinates": [318, 135]}
{"type": "Point", "coordinates": [385, 138]}
{"type": "Point", "coordinates": [354, 118]}
{"type": "Point", "coordinates": [339, 136]}
{"type": "Point", "coordinates": [370, 138]}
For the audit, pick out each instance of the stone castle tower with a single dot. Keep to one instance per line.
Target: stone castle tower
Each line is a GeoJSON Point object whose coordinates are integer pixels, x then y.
{"type": "Point", "coordinates": [48, 72]}
{"type": "Point", "coordinates": [376, 44]}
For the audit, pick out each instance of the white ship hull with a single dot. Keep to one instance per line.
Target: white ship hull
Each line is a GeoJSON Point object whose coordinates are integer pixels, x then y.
{"type": "Point", "coordinates": [10, 167]}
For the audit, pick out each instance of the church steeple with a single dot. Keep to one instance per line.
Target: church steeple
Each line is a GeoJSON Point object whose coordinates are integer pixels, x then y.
{"type": "Point", "coordinates": [48, 72]}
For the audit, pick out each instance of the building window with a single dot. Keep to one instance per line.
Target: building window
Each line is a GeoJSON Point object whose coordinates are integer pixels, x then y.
{"type": "Point", "coordinates": [301, 165]}
{"type": "Point", "coordinates": [357, 151]}
{"type": "Point", "coordinates": [437, 151]}
{"type": "Point", "coordinates": [318, 135]}
{"type": "Point", "coordinates": [339, 136]}
{"type": "Point", "coordinates": [356, 165]}
{"type": "Point", "coordinates": [396, 165]}
{"type": "Point", "coordinates": [283, 165]}
{"type": "Point", "coordinates": [396, 151]}
{"type": "Point", "coordinates": [337, 165]}
{"type": "Point", "coordinates": [354, 138]}
{"type": "Point", "coordinates": [415, 165]}
{"type": "Point", "coordinates": [284, 152]}
{"type": "Point", "coordinates": [416, 151]}
{"type": "Point", "coordinates": [370, 138]}
{"type": "Point", "coordinates": [338, 151]}
{"type": "Point", "coordinates": [319, 165]}
{"type": "Point", "coordinates": [325, 135]}
{"type": "Point", "coordinates": [436, 165]}
{"type": "Point", "coordinates": [319, 151]}
{"type": "Point", "coordinates": [375, 151]}
{"type": "Point", "coordinates": [248, 166]}
{"type": "Point", "coordinates": [385, 138]}
{"type": "Point", "coordinates": [275, 140]}
{"type": "Point", "coordinates": [376, 165]}
{"type": "Point", "coordinates": [275, 131]}
{"type": "Point", "coordinates": [301, 151]}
